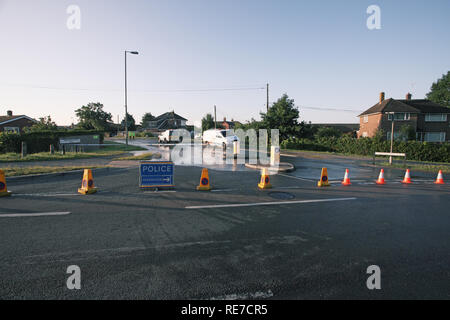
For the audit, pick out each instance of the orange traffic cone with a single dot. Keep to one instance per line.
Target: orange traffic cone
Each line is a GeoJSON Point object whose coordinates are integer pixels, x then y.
{"type": "Point", "coordinates": [440, 178]}
{"type": "Point", "coordinates": [87, 185]}
{"type": "Point", "coordinates": [265, 180]}
{"type": "Point", "coordinates": [381, 177]}
{"type": "Point", "coordinates": [204, 181]}
{"type": "Point", "coordinates": [3, 189]}
{"type": "Point", "coordinates": [407, 178]}
{"type": "Point", "coordinates": [346, 181]}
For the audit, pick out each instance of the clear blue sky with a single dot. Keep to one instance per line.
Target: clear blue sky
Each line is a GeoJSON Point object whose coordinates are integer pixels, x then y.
{"type": "Point", "coordinates": [318, 52]}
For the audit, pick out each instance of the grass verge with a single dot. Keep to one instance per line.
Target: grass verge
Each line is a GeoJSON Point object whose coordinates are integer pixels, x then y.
{"type": "Point", "coordinates": [145, 156]}
{"type": "Point", "coordinates": [111, 149]}
{"type": "Point", "coordinates": [417, 167]}
{"type": "Point", "coordinates": [24, 171]}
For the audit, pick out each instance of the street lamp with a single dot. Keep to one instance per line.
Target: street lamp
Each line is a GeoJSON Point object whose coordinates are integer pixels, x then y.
{"type": "Point", "coordinates": [392, 134]}
{"type": "Point", "coordinates": [126, 95]}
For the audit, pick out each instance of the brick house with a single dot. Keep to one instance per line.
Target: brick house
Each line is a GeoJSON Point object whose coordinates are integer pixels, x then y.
{"type": "Point", "coordinates": [229, 124]}
{"type": "Point", "coordinates": [12, 123]}
{"type": "Point", "coordinates": [168, 120]}
{"type": "Point", "coordinates": [429, 120]}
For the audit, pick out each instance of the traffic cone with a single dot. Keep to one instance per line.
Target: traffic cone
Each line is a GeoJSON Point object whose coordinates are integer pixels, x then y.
{"type": "Point", "coordinates": [87, 185]}
{"type": "Point", "coordinates": [204, 181]}
{"type": "Point", "coordinates": [407, 178]}
{"type": "Point", "coordinates": [381, 177]}
{"type": "Point", "coordinates": [440, 178]}
{"type": "Point", "coordinates": [323, 179]}
{"type": "Point", "coordinates": [3, 189]}
{"type": "Point", "coordinates": [265, 180]}
{"type": "Point", "coordinates": [346, 181]}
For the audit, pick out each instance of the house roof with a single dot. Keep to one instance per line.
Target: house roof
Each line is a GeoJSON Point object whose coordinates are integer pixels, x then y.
{"type": "Point", "coordinates": [8, 119]}
{"type": "Point", "coordinates": [411, 106]}
{"type": "Point", "coordinates": [169, 115]}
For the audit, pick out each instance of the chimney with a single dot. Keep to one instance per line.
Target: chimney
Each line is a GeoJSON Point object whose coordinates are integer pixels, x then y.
{"type": "Point", "coordinates": [408, 96]}
{"type": "Point", "coordinates": [224, 119]}
{"type": "Point", "coordinates": [9, 113]}
{"type": "Point", "coordinates": [381, 97]}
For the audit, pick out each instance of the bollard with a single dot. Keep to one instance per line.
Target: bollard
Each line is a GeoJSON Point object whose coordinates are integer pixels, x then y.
{"type": "Point", "coordinates": [236, 149]}
{"type": "Point", "coordinates": [52, 149]}
{"type": "Point", "coordinates": [63, 149]}
{"type": "Point", "coordinates": [24, 150]}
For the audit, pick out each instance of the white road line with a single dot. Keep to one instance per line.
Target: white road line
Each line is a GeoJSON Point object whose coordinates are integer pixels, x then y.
{"type": "Point", "coordinates": [236, 205]}
{"type": "Point", "coordinates": [293, 177]}
{"type": "Point", "coordinates": [26, 215]}
{"type": "Point", "coordinates": [245, 296]}
{"type": "Point", "coordinates": [45, 195]}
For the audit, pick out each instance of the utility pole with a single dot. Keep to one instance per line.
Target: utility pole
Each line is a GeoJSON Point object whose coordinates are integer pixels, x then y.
{"type": "Point", "coordinates": [267, 97]}
{"type": "Point", "coordinates": [215, 118]}
{"type": "Point", "coordinates": [392, 114]}
{"type": "Point", "coordinates": [118, 126]}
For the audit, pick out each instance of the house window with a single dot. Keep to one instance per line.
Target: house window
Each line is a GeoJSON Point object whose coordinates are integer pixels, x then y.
{"type": "Point", "coordinates": [397, 135]}
{"type": "Point", "coordinates": [12, 129]}
{"type": "Point", "coordinates": [434, 136]}
{"type": "Point", "coordinates": [400, 116]}
{"type": "Point", "coordinates": [435, 117]}
{"type": "Point", "coordinates": [365, 119]}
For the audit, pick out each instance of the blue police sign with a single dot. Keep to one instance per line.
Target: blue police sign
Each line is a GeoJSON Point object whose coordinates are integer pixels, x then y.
{"type": "Point", "coordinates": [156, 174]}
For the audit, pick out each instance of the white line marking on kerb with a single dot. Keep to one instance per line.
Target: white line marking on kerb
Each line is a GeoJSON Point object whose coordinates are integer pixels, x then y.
{"type": "Point", "coordinates": [294, 177]}
{"type": "Point", "coordinates": [26, 215]}
{"type": "Point", "coordinates": [236, 205]}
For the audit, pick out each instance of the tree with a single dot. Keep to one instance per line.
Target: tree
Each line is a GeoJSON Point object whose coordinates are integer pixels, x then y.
{"type": "Point", "coordinates": [131, 123]}
{"type": "Point", "coordinates": [327, 132]}
{"type": "Point", "coordinates": [207, 122]}
{"type": "Point", "coordinates": [146, 119]}
{"type": "Point", "coordinates": [440, 91]}
{"type": "Point", "coordinates": [44, 124]}
{"type": "Point", "coordinates": [283, 115]}
{"type": "Point", "coordinates": [93, 117]}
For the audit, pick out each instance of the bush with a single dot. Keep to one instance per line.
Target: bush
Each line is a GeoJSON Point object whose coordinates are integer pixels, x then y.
{"type": "Point", "coordinates": [415, 150]}
{"type": "Point", "coordinates": [39, 141]}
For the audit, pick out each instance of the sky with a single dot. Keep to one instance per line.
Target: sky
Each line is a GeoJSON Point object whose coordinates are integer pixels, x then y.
{"type": "Point", "coordinates": [194, 54]}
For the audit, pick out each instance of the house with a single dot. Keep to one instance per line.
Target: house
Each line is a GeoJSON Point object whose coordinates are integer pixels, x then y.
{"type": "Point", "coordinates": [229, 124]}
{"type": "Point", "coordinates": [429, 120]}
{"type": "Point", "coordinates": [168, 120]}
{"type": "Point", "coordinates": [12, 123]}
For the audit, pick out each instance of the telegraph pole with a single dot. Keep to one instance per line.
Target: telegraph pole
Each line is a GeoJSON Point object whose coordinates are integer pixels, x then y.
{"type": "Point", "coordinates": [267, 97]}
{"type": "Point", "coordinates": [215, 118]}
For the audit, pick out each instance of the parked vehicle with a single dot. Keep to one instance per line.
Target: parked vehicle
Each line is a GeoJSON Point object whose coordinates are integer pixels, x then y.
{"type": "Point", "coordinates": [222, 138]}
{"type": "Point", "coordinates": [170, 136]}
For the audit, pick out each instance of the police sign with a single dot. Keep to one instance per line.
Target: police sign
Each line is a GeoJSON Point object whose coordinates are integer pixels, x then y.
{"type": "Point", "coordinates": [156, 174]}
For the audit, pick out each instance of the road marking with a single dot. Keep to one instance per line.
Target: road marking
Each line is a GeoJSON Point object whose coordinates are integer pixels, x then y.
{"type": "Point", "coordinates": [26, 215]}
{"type": "Point", "coordinates": [294, 177]}
{"type": "Point", "coordinates": [236, 205]}
{"type": "Point", "coordinates": [245, 296]}
{"type": "Point", "coordinates": [223, 190]}
{"type": "Point", "coordinates": [45, 194]}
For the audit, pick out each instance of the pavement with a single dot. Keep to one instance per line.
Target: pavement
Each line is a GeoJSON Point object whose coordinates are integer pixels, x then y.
{"type": "Point", "coordinates": [295, 241]}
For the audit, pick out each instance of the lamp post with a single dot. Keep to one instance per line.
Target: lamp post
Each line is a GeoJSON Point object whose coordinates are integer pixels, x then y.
{"type": "Point", "coordinates": [392, 134]}
{"type": "Point", "coordinates": [126, 95]}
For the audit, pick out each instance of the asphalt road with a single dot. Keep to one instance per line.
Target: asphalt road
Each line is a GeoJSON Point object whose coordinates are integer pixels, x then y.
{"type": "Point", "coordinates": [132, 244]}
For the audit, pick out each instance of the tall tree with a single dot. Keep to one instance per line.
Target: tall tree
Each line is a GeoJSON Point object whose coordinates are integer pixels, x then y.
{"type": "Point", "coordinates": [207, 122]}
{"type": "Point", "coordinates": [44, 124]}
{"type": "Point", "coordinates": [440, 91]}
{"type": "Point", "coordinates": [283, 115]}
{"type": "Point", "coordinates": [93, 117]}
{"type": "Point", "coordinates": [146, 119]}
{"type": "Point", "coordinates": [131, 123]}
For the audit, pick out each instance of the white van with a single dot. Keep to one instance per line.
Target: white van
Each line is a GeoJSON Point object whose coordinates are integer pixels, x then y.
{"type": "Point", "coordinates": [219, 137]}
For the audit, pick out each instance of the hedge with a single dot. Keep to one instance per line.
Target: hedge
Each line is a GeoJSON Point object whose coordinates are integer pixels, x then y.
{"type": "Point", "coordinates": [415, 150]}
{"type": "Point", "coordinates": [39, 141]}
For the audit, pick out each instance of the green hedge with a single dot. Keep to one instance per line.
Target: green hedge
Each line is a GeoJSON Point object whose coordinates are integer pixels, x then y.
{"type": "Point", "coordinates": [415, 150]}
{"type": "Point", "coordinates": [39, 141]}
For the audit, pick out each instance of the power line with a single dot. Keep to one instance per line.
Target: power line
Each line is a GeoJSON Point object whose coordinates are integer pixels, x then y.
{"type": "Point", "coordinates": [246, 88]}
{"type": "Point", "coordinates": [329, 109]}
